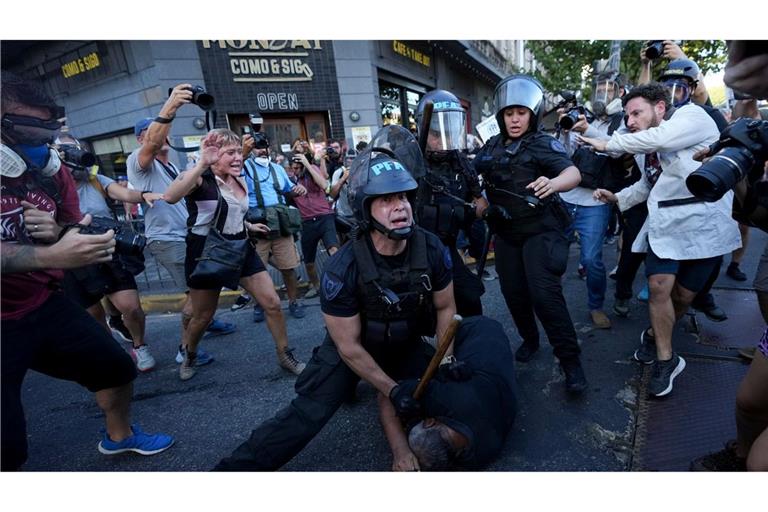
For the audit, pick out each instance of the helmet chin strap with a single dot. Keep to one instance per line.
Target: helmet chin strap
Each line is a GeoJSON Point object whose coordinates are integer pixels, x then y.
{"type": "Point", "coordinates": [393, 234]}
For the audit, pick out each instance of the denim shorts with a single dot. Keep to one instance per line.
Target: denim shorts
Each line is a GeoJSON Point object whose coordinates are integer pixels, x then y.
{"type": "Point", "coordinates": [690, 274]}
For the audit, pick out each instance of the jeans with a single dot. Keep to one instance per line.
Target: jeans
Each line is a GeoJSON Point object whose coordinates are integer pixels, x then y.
{"type": "Point", "coordinates": [591, 222]}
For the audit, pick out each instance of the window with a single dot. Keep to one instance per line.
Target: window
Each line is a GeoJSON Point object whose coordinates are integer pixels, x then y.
{"type": "Point", "coordinates": [395, 100]}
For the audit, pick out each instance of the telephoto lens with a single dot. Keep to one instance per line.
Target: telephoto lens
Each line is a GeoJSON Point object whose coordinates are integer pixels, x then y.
{"type": "Point", "coordinates": [569, 119]}
{"type": "Point", "coordinates": [76, 156]}
{"type": "Point", "coordinates": [720, 173]}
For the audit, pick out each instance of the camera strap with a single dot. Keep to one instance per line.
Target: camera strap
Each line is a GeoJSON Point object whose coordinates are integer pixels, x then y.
{"type": "Point", "coordinates": [679, 202]}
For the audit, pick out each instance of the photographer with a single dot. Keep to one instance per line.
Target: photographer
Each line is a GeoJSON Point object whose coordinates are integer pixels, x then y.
{"type": "Point", "coordinates": [683, 236]}
{"type": "Point", "coordinates": [317, 217]}
{"type": "Point", "coordinates": [268, 187]}
{"type": "Point", "coordinates": [216, 179]}
{"type": "Point", "coordinates": [747, 72]}
{"type": "Point", "coordinates": [115, 280]}
{"type": "Point", "coordinates": [42, 329]}
{"type": "Point", "coordinates": [332, 157]}
{"type": "Point", "coordinates": [591, 217]}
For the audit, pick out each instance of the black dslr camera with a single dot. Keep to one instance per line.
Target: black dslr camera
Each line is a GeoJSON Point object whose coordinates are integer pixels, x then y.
{"type": "Point", "coordinates": [127, 242]}
{"type": "Point", "coordinates": [740, 152]}
{"type": "Point", "coordinates": [75, 156]}
{"type": "Point", "coordinates": [199, 97]}
{"type": "Point", "coordinates": [654, 49]}
{"type": "Point", "coordinates": [571, 117]}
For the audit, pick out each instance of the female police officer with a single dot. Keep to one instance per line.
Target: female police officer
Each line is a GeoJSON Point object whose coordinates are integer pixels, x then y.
{"type": "Point", "coordinates": [523, 169]}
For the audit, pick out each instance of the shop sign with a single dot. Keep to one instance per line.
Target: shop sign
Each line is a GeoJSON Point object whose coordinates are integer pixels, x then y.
{"type": "Point", "coordinates": [413, 54]}
{"type": "Point", "coordinates": [277, 101]}
{"type": "Point", "coordinates": [80, 65]}
{"type": "Point", "coordinates": [268, 60]}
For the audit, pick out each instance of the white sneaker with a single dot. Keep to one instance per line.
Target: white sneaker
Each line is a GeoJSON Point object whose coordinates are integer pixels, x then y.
{"type": "Point", "coordinates": [143, 358]}
{"type": "Point", "coordinates": [312, 292]}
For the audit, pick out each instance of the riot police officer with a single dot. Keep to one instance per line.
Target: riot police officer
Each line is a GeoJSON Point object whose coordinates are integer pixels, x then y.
{"type": "Point", "coordinates": [523, 170]}
{"type": "Point", "coordinates": [449, 195]}
{"type": "Point", "coordinates": [382, 291]}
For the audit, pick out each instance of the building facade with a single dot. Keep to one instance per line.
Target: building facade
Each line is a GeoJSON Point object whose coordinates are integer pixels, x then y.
{"type": "Point", "coordinates": [304, 89]}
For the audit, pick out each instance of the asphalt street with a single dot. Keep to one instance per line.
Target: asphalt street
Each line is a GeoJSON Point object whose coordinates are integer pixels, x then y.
{"type": "Point", "coordinates": [212, 413]}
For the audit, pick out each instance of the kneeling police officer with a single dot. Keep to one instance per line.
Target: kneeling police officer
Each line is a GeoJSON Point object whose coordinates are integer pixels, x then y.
{"type": "Point", "coordinates": [449, 195]}
{"type": "Point", "coordinates": [380, 293]}
{"type": "Point", "coordinates": [523, 170]}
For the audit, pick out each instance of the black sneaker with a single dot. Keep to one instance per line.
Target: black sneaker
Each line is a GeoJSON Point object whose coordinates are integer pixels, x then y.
{"type": "Point", "coordinates": [664, 373]}
{"type": "Point", "coordinates": [525, 352]}
{"type": "Point", "coordinates": [735, 273]}
{"type": "Point", "coordinates": [646, 354]}
{"type": "Point", "coordinates": [240, 302]}
{"type": "Point", "coordinates": [575, 380]}
{"type": "Point", "coordinates": [621, 307]}
{"type": "Point", "coordinates": [119, 330]}
{"type": "Point", "coordinates": [724, 460]}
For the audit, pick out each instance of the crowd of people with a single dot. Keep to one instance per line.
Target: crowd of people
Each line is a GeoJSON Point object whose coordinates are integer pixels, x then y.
{"type": "Point", "coordinates": [389, 216]}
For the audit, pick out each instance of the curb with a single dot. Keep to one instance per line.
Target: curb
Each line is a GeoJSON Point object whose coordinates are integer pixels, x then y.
{"type": "Point", "coordinates": [173, 302]}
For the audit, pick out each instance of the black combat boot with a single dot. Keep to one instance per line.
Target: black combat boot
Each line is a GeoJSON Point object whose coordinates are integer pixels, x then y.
{"type": "Point", "coordinates": [575, 380]}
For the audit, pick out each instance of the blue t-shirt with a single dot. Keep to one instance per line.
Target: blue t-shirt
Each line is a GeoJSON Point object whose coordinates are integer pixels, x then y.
{"type": "Point", "coordinates": [262, 176]}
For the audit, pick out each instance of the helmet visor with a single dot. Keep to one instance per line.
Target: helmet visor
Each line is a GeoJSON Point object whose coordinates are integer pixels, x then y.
{"type": "Point", "coordinates": [518, 91]}
{"type": "Point", "coordinates": [447, 131]}
{"type": "Point", "coordinates": [603, 92]}
{"type": "Point", "coordinates": [679, 91]}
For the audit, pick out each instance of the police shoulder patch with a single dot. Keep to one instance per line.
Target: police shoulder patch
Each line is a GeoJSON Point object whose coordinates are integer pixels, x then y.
{"type": "Point", "coordinates": [331, 286]}
{"type": "Point", "coordinates": [447, 261]}
{"type": "Point", "coordinates": [556, 145]}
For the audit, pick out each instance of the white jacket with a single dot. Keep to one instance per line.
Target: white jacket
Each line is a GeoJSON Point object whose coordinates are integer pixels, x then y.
{"type": "Point", "coordinates": [684, 232]}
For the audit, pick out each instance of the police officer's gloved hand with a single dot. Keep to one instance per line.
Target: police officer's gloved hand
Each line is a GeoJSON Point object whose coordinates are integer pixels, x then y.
{"type": "Point", "coordinates": [455, 370]}
{"type": "Point", "coordinates": [496, 216]}
{"type": "Point", "coordinates": [401, 396]}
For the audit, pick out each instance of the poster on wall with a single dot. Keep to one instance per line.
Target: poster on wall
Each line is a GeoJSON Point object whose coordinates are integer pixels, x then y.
{"type": "Point", "coordinates": [487, 129]}
{"type": "Point", "coordinates": [361, 134]}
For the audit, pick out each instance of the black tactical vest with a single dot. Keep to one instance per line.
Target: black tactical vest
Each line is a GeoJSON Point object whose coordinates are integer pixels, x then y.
{"type": "Point", "coordinates": [511, 169]}
{"type": "Point", "coordinates": [441, 201]}
{"type": "Point", "coordinates": [396, 304]}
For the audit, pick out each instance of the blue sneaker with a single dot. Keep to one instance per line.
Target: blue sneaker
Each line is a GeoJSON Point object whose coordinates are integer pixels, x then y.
{"type": "Point", "coordinates": [297, 310]}
{"type": "Point", "coordinates": [219, 328]}
{"type": "Point", "coordinates": [139, 442]}
{"type": "Point", "coordinates": [643, 295]}
{"type": "Point", "coordinates": [258, 314]}
{"type": "Point", "coordinates": [203, 357]}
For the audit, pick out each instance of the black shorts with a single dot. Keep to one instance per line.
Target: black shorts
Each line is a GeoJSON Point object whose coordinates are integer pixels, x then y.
{"type": "Point", "coordinates": [195, 244]}
{"type": "Point", "coordinates": [315, 229]}
{"type": "Point", "coordinates": [690, 274]}
{"type": "Point", "coordinates": [61, 340]}
{"type": "Point", "coordinates": [86, 286]}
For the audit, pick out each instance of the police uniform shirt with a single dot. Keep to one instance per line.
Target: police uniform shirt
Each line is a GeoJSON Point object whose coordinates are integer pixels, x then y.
{"type": "Point", "coordinates": [549, 155]}
{"type": "Point", "coordinates": [338, 291]}
{"type": "Point", "coordinates": [546, 156]}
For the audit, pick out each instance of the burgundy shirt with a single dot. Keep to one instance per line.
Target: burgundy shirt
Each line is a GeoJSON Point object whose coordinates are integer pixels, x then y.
{"type": "Point", "coordinates": [24, 292]}
{"type": "Point", "coordinates": [315, 202]}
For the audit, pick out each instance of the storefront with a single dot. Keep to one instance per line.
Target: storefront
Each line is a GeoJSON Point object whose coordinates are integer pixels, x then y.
{"type": "Point", "coordinates": [308, 89]}
{"type": "Point", "coordinates": [291, 83]}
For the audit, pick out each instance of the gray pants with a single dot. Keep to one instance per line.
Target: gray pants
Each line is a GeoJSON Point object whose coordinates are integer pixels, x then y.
{"type": "Point", "coordinates": [171, 255]}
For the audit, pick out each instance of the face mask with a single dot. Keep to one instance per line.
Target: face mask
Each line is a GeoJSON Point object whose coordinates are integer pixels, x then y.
{"type": "Point", "coordinates": [613, 107]}
{"type": "Point", "coordinates": [37, 155]}
{"type": "Point", "coordinates": [262, 161]}
{"type": "Point", "coordinates": [14, 162]}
